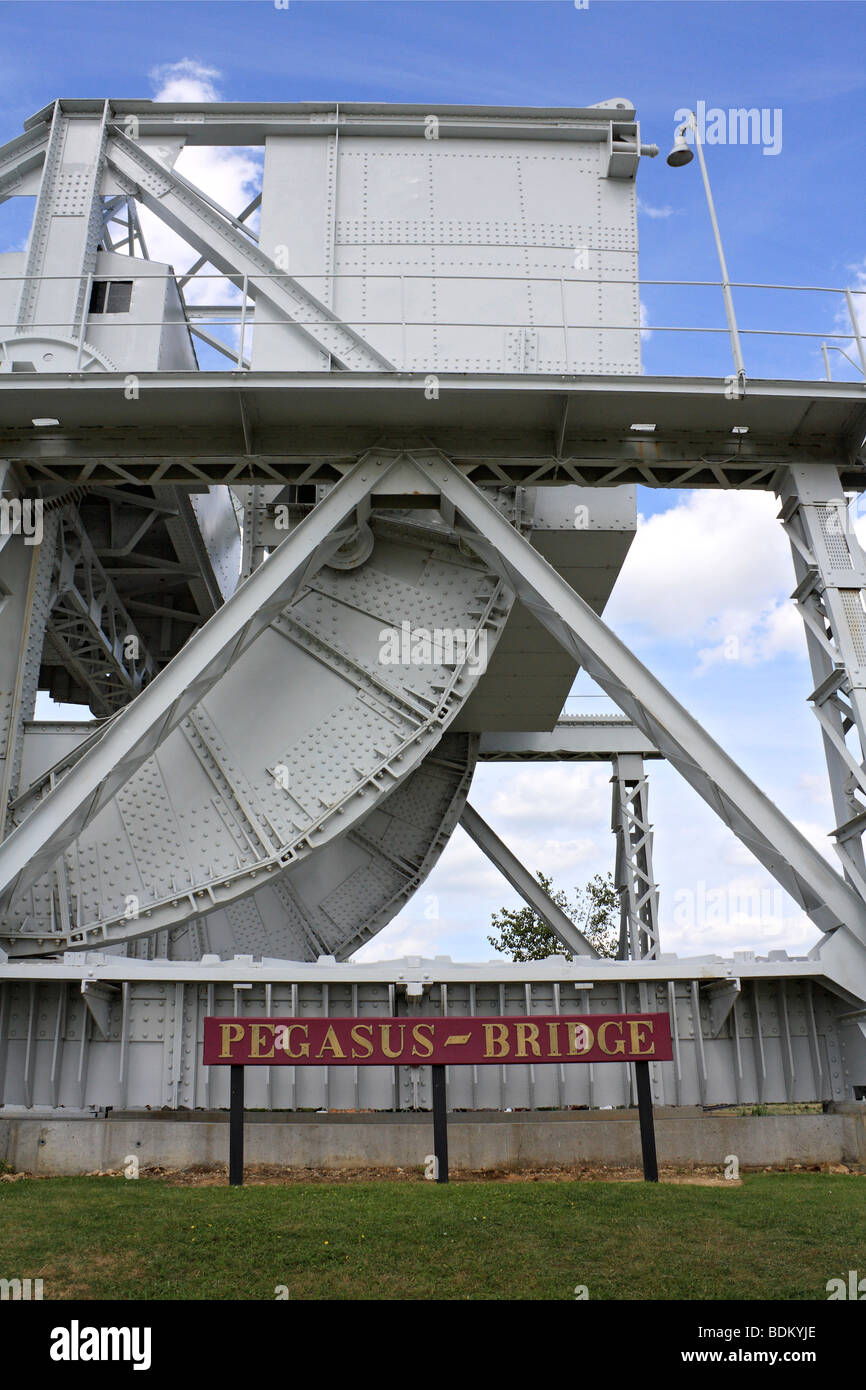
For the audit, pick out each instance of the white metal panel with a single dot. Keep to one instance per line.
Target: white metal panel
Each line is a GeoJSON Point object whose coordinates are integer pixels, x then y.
{"type": "Point", "coordinates": [475, 254]}
{"type": "Point", "coordinates": [783, 1040]}
{"type": "Point", "coordinates": [288, 752]}
{"type": "Point", "coordinates": [153, 335]}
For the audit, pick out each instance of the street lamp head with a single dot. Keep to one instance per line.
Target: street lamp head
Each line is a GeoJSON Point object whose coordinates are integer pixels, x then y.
{"type": "Point", "coordinates": [681, 152]}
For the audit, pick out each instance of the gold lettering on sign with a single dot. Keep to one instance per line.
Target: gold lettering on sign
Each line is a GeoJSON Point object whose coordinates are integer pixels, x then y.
{"type": "Point", "coordinates": [553, 1039]}
{"type": "Point", "coordinates": [634, 1027]}
{"type": "Point", "coordinates": [422, 1043]}
{"type": "Point", "coordinates": [495, 1036]}
{"type": "Point", "coordinates": [257, 1039]}
{"type": "Point", "coordinates": [527, 1037]}
{"type": "Point", "coordinates": [230, 1033]}
{"type": "Point", "coordinates": [304, 1047]}
{"type": "Point", "coordinates": [362, 1037]}
{"type": "Point", "coordinates": [619, 1046]}
{"type": "Point", "coordinates": [331, 1043]}
{"type": "Point", "coordinates": [386, 1040]}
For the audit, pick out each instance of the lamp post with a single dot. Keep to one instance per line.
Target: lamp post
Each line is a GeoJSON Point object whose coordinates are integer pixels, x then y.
{"type": "Point", "coordinates": [679, 155]}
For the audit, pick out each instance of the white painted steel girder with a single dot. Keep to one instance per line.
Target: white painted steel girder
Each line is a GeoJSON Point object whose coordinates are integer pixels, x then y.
{"type": "Point", "coordinates": [831, 589]}
{"type": "Point", "coordinates": [522, 881]}
{"type": "Point", "coordinates": [501, 429]}
{"type": "Point", "coordinates": [66, 226]}
{"type": "Point", "coordinates": [579, 738]}
{"type": "Point", "coordinates": [20, 158]}
{"type": "Point", "coordinates": [633, 871]}
{"type": "Point", "coordinates": [181, 207]}
{"type": "Point", "coordinates": [293, 748]}
{"type": "Point", "coordinates": [776, 843]}
{"type": "Point", "coordinates": [131, 738]}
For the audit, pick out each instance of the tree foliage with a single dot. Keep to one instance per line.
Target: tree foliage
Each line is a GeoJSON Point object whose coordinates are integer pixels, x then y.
{"type": "Point", "coordinates": [523, 935]}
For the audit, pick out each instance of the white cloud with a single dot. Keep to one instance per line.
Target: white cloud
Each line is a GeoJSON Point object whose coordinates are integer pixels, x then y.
{"type": "Point", "coordinates": [395, 942]}
{"type": "Point", "coordinates": [815, 788]}
{"type": "Point", "coordinates": [549, 795]}
{"type": "Point", "coordinates": [185, 80]}
{"type": "Point", "coordinates": [649, 211]}
{"type": "Point", "coordinates": [229, 176]}
{"type": "Point", "coordinates": [714, 571]}
{"type": "Point", "coordinates": [558, 859]}
{"type": "Point", "coordinates": [776, 630]}
{"type": "Point", "coordinates": [734, 921]}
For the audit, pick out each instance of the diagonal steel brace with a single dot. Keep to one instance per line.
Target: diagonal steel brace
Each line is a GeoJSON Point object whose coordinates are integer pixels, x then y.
{"type": "Point", "coordinates": [140, 728]}
{"type": "Point", "coordinates": [521, 880]}
{"type": "Point", "coordinates": [792, 860]}
{"type": "Point", "coordinates": [183, 208]}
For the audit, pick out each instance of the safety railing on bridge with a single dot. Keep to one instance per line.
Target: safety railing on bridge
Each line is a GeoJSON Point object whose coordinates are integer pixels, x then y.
{"type": "Point", "coordinates": [427, 322]}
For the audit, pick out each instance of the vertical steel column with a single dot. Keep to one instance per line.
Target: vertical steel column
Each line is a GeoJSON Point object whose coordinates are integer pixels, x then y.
{"type": "Point", "coordinates": [57, 1049]}
{"type": "Point", "coordinates": [25, 573]}
{"type": "Point", "coordinates": [255, 504]}
{"type": "Point", "coordinates": [633, 875]}
{"type": "Point", "coordinates": [67, 226]}
{"type": "Point", "coordinates": [830, 568]}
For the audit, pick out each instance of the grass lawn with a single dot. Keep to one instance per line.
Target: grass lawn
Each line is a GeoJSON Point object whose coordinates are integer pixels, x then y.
{"type": "Point", "coordinates": [778, 1236]}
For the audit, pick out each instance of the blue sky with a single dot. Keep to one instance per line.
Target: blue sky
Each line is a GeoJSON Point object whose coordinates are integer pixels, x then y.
{"type": "Point", "coordinates": [703, 567]}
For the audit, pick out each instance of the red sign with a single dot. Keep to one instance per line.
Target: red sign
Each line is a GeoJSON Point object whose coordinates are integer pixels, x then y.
{"type": "Point", "coordinates": [418, 1042]}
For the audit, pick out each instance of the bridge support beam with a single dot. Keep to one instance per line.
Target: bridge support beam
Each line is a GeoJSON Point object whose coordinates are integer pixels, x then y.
{"type": "Point", "coordinates": [633, 875]}
{"type": "Point", "coordinates": [142, 726]}
{"type": "Point", "coordinates": [522, 882]}
{"type": "Point", "coordinates": [796, 864]}
{"type": "Point", "coordinates": [830, 567]}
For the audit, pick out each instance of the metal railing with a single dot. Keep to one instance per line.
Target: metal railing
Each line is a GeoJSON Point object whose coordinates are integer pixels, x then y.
{"type": "Point", "coordinates": [554, 323]}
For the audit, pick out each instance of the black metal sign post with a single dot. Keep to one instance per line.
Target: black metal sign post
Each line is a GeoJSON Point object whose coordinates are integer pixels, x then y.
{"type": "Point", "coordinates": [236, 1127]}
{"type": "Point", "coordinates": [440, 1122]}
{"type": "Point", "coordinates": [647, 1127]}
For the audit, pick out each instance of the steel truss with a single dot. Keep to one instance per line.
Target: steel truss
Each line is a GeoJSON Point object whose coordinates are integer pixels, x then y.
{"type": "Point", "coordinates": [830, 567]}
{"type": "Point", "coordinates": [782, 849]}
{"type": "Point", "coordinates": [90, 627]}
{"type": "Point", "coordinates": [309, 427]}
{"type": "Point", "coordinates": [633, 874]}
{"type": "Point", "coordinates": [829, 588]}
{"type": "Point", "coordinates": [223, 241]}
{"type": "Point", "coordinates": [139, 728]}
{"type": "Point", "coordinates": [366, 437]}
{"type": "Point", "coordinates": [833, 904]}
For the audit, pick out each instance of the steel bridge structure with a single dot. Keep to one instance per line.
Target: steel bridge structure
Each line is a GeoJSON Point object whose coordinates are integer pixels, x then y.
{"type": "Point", "coordinates": [318, 521]}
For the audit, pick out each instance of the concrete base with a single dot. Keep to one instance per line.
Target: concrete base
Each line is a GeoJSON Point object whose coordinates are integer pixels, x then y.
{"type": "Point", "coordinates": [480, 1141]}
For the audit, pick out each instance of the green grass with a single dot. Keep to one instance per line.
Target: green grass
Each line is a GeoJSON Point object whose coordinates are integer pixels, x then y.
{"type": "Point", "coordinates": [778, 1236]}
